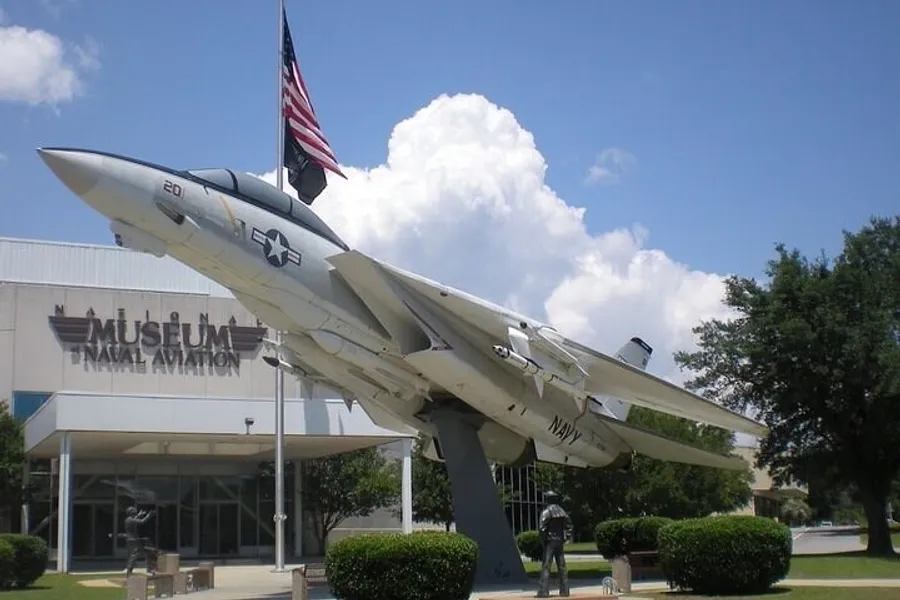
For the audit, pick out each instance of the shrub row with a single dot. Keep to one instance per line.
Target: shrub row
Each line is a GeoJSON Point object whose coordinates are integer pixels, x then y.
{"type": "Point", "coordinates": [425, 565]}
{"type": "Point", "coordinates": [725, 555]}
{"type": "Point", "coordinates": [23, 559]}
{"type": "Point", "coordinates": [712, 555]}
{"type": "Point", "coordinates": [529, 544]}
{"type": "Point", "coordinates": [620, 536]}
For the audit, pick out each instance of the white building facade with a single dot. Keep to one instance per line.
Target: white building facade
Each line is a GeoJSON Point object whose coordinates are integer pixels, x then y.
{"type": "Point", "coordinates": [140, 382]}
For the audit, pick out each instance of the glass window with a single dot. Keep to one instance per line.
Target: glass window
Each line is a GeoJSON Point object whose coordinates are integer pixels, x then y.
{"type": "Point", "coordinates": [218, 177]}
{"type": "Point", "coordinates": [25, 404]}
{"type": "Point", "coordinates": [269, 198]}
{"type": "Point", "coordinates": [256, 189]}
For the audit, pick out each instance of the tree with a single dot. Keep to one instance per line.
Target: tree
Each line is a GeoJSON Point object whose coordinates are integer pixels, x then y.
{"type": "Point", "coordinates": [432, 495]}
{"type": "Point", "coordinates": [12, 460]}
{"type": "Point", "coordinates": [652, 487]}
{"type": "Point", "coordinates": [350, 484]}
{"type": "Point", "coordinates": [432, 499]}
{"type": "Point", "coordinates": [816, 355]}
{"type": "Point", "coordinates": [795, 510]}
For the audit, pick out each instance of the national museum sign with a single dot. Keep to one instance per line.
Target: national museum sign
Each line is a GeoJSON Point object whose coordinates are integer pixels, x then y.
{"type": "Point", "coordinates": [161, 344]}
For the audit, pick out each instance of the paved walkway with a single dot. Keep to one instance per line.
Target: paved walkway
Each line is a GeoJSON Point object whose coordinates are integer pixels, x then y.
{"type": "Point", "coordinates": [259, 582]}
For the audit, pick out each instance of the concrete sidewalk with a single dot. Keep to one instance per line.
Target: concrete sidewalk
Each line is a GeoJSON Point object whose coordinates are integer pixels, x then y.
{"type": "Point", "coordinates": [259, 582]}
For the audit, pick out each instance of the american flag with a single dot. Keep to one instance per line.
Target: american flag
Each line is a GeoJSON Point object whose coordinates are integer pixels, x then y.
{"type": "Point", "coordinates": [306, 151]}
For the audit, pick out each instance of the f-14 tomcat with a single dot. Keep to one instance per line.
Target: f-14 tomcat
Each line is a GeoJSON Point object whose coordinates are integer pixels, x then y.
{"type": "Point", "coordinates": [398, 344]}
{"type": "Point", "coordinates": [481, 382]}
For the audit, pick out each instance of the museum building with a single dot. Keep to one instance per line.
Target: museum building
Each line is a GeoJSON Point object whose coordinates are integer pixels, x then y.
{"type": "Point", "coordinates": [140, 381]}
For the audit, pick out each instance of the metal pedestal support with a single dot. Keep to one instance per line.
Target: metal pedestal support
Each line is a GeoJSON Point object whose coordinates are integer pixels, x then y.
{"type": "Point", "coordinates": [477, 509]}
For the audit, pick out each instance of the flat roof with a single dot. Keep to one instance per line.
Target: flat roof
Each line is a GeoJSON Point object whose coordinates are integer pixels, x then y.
{"type": "Point", "coordinates": [93, 265]}
{"type": "Point", "coordinates": [118, 425]}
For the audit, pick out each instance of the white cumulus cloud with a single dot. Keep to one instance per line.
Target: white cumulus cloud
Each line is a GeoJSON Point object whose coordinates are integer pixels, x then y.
{"type": "Point", "coordinates": [37, 67]}
{"type": "Point", "coordinates": [610, 166]}
{"type": "Point", "coordinates": [462, 199]}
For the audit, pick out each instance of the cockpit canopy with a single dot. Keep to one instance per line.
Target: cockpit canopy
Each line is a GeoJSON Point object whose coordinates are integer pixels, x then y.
{"type": "Point", "coordinates": [254, 190]}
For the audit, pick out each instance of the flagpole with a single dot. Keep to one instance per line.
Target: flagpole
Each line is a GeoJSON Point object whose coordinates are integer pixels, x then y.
{"type": "Point", "coordinates": [279, 373]}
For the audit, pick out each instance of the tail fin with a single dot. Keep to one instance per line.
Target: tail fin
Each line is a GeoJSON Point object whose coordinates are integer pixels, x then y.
{"type": "Point", "coordinates": [636, 352]}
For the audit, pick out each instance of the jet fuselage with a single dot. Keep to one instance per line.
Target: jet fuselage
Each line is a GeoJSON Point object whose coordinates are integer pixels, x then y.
{"type": "Point", "coordinates": [273, 253]}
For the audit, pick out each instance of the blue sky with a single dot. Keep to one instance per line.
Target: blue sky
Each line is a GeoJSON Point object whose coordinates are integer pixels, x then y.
{"type": "Point", "coordinates": [748, 123]}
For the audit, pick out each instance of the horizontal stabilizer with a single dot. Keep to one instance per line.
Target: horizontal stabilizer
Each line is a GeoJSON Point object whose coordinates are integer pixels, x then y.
{"type": "Point", "coordinates": [658, 446]}
{"type": "Point", "coordinates": [612, 377]}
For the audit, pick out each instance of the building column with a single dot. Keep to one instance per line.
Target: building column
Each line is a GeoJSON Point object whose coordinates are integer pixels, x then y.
{"type": "Point", "coordinates": [64, 506]}
{"type": "Point", "coordinates": [25, 518]}
{"type": "Point", "coordinates": [406, 486]}
{"type": "Point", "coordinates": [298, 508]}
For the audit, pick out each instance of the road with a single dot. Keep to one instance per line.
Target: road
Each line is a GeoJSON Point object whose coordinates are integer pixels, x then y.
{"type": "Point", "coordinates": [826, 540]}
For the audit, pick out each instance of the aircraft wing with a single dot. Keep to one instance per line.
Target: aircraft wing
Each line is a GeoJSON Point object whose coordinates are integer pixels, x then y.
{"type": "Point", "coordinates": [606, 375]}
{"type": "Point", "coordinates": [654, 445]}
{"type": "Point", "coordinates": [613, 377]}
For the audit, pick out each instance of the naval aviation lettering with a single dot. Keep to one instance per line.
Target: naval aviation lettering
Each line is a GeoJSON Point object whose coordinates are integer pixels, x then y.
{"type": "Point", "coordinates": [564, 431]}
{"type": "Point", "coordinates": [173, 343]}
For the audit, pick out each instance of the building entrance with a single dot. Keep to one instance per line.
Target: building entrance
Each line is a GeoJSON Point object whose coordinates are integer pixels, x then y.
{"type": "Point", "coordinates": [219, 528]}
{"type": "Point", "coordinates": [93, 528]}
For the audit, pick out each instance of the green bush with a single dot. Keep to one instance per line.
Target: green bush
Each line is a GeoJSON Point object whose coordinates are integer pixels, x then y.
{"type": "Point", "coordinates": [432, 565]}
{"type": "Point", "coordinates": [619, 536]}
{"type": "Point", "coordinates": [529, 543]}
{"type": "Point", "coordinates": [725, 555]}
{"type": "Point", "coordinates": [7, 565]}
{"type": "Point", "coordinates": [31, 555]}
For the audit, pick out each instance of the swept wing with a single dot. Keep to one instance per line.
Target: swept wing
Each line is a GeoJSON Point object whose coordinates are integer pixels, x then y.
{"type": "Point", "coordinates": [603, 374]}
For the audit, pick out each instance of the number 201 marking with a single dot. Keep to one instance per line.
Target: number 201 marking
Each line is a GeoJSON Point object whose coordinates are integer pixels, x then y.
{"type": "Point", "coordinates": [170, 187]}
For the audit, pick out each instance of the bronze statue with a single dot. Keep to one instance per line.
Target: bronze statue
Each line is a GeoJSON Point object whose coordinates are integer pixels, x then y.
{"type": "Point", "coordinates": [555, 529]}
{"type": "Point", "coordinates": [136, 545]}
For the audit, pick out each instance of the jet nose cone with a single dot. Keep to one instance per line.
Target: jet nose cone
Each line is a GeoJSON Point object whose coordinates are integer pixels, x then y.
{"type": "Point", "coordinates": [79, 170]}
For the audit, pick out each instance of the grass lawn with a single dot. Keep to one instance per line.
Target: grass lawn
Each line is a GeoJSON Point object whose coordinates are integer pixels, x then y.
{"type": "Point", "coordinates": [835, 566]}
{"type": "Point", "coordinates": [64, 587]}
{"type": "Point", "coordinates": [580, 548]}
{"type": "Point", "coordinates": [853, 565]}
{"type": "Point", "coordinates": [798, 593]}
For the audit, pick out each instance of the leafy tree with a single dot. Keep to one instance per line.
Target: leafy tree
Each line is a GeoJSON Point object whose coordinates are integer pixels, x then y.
{"type": "Point", "coordinates": [432, 496]}
{"type": "Point", "coordinates": [652, 487]}
{"type": "Point", "coordinates": [431, 499]}
{"type": "Point", "coordinates": [350, 484]}
{"type": "Point", "coordinates": [815, 355]}
{"type": "Point", "coordinates": [12, 461]}
{"type": "Point", "coordinates": [795, 510]}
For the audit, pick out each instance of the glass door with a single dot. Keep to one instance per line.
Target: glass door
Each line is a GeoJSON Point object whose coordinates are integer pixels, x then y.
{"type": "Point", "coordinates": [166, 538]}
{"type": "Point", "coordinates": [92, 529]}
{"type": "Point", "coordinates": [219, 528]}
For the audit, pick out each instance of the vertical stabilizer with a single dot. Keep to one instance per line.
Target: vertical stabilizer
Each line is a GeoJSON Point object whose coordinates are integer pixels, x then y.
{"type": "Point", "coordinates": [636, 352]}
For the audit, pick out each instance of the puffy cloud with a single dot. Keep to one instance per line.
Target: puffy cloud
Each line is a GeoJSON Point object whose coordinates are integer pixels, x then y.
{"type": "Point", "coordinates": [462, 199]}
{"type": "Point", "coordinates": [611, 165]}
{"type": "Point", "coordinates": [37, 67]}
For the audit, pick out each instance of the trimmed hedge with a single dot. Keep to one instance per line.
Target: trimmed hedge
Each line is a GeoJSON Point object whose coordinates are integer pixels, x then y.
{"type": "Point", "coordinates": [725, 555]}
{"type": "Point", "coordinates": [529, 543]}
{"type": "Point", "coordinates": [7, 565]}
{"type": "Point", "coordinates": [620, 536]}
{"type": "Point", "coordinates": [426, 565]}
{"type": "Point", "coordinates": [30, 555]}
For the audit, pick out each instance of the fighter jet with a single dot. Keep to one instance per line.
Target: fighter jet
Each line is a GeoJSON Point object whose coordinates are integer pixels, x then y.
{"type": "Point", "coordinates": [403, 347]}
